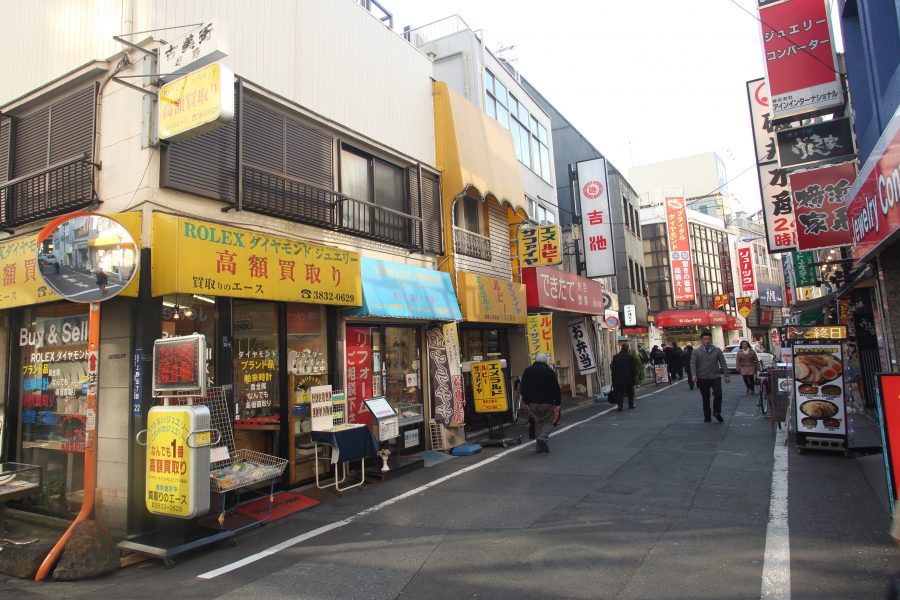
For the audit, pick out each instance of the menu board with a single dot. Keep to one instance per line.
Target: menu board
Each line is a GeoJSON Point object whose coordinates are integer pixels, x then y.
{"type": "Point", "coordinates": [322, 408]}
{"type": "Point", "coordinates": [819, 389]}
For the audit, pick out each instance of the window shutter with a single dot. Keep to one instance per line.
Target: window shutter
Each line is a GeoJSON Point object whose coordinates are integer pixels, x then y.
{"type": "Point", "coordinates": [310, 154]}
{"type": "Point", "coordinates": [205, 165]}
{"type": "Point", "coordinates": [72, 126]}
{"type": "Point", "coordinates": [412, 201]}
{"type": "Point", "coordinates": [431, 213]}
{"type": "Point", "coordinates": [5, 139]}
{"type": "Point", "coordinates": [30, 146]}
{"type": "Point", "coordinates": [263, 141]}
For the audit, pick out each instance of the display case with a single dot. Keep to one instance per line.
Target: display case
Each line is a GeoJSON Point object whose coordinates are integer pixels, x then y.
{"type": "Point", "coordinates": [409, 414]}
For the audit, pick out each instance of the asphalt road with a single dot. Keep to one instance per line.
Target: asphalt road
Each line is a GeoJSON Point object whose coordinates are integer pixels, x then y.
{"type": "Point", "coordinates": [649, 503]}
{"type": "Point", "coordinates": [77, 285]}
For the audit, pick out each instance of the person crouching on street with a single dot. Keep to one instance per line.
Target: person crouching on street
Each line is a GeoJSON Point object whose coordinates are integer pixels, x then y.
{"type": "Point", "coordinates": [540, 392]}
{"type": "Point", "coordinates": [708, 366]}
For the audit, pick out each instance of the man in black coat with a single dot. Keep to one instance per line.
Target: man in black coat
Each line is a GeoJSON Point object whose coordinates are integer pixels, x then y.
{"type": "Point", "coordinates": [623, 376]}
{"type": "Point", "coordinates": [540, 391]}
{"type": "Point", "coordinates": [686, 363]}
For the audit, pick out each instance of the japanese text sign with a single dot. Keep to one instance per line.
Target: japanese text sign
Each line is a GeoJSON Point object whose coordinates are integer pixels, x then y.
{"type": "Point", "coordinates": [629, 314]}
{"type": "Point", "coordinates": [778, 212]}
{"type": "Point", "coordinates": [761, 117]}
{"type": "Point", "coordinates": [196, 257]}
{"type": "Point", "coordinates": [771, 295]}
{"type": "Point", "coordinates": [539, 246]}
{"type": "Point", "coordinates": [581, 345]}
{"type": "Point", "coordinates": [800, 57]}
{"type": "Point", "coordinates": [804, 268]}
{"type": "Point", "coordinates": [812, 143]}
{"type": "Point", "coordinates": [484, 299]}
{"type": "Point", "coordinates": [816, 332]}
{"type": "Point", "coordinates": [540, 335]}
{"type": "Point", "coordinates": [196, 103]}
{"type": "Point", "coordinates": [745, 306]}
{"type": "Point", "coordinates": [359, 373]}
{"type": "Point", "coordinates": [546, 287]}
{"type": "Point", "coordinates": [721, 300]}
{"type": "Point", "coordinates": [488, 387]}
{"type": "Point", "coordinates": [321, 407]}
{"type": "Point", "coordinates": [454, 363]}
{"type": "Point", "coordinates": [874, 206]}
{"type": "Point", "coordinates": [441, 380]}
{"type": "Point", "coordinates": [819, 389]}
{"type": "Point", "coordinates": [679, 248]}
{"type": "Point", "coordinates": [820, 208]}
{"type": "Point", "coordinates": [175, 487]}
{"type": "Point", "coordinates": [596, 220]}
{"type": "Point", "coordinates": [396, 290]}
{"type": "Point", "coordinates": [745, 269]}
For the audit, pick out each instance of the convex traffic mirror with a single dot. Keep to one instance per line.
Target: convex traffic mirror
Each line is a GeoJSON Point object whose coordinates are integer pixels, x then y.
{"type": "Point", "coordinates": [86, 257]}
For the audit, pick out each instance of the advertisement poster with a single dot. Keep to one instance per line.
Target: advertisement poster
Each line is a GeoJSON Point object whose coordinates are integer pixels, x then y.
{"type": "Point", "coordinates": [820, 207]}
{"type": "Point", "coordinates": [488, 387]}
{"type": "Point", "coordinates": [170, 489]}
{"type": "Point", "coordinates": [819, 141]}
{"type": "Point", "coordinates": [745, 269]}
{"type": "Point", "coordinates": [322, 407]}
{"type": "Point", "coordinates": [540, 335]}
{"type": "Point", "coordinates": [439, 372]}
{"type": "Point", "coordinates": [778, 212]}
{"type": "Point", "coordinates": [744, 306]}
{"type": "Point", "coordinates": [581, 344]}
{"type": "Point", "coordinates": [721, 300]}
{"type": "Point", "coordinates": [360, 361]}
{"type": "Point", "coordinates": [454, 362]}
{"type": "Point", "coordinates": [771, 295]}
{"type": "Point", "coordinates": [801, 67]}
{"type": "Point", "coordinates": [539, 246]}
{"type": "Point", "coordinates": [661, 373]}
{"type": "Point", "coordinates": [819, 388]}
{"type": "Point", "coordinates": [596, 220]}
{"type": "Point", "coordinates": [679, 249]}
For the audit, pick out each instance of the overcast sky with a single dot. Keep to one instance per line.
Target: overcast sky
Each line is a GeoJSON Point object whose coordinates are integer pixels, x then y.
{"type": "Point", "coordinates": [644, 80]}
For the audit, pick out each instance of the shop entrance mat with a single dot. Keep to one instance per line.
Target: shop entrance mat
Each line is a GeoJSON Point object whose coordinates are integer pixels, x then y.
{"type": "Point", "coordinates": [284, 504]}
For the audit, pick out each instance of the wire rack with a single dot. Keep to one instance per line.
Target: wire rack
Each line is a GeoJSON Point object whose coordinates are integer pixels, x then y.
{"type": "Point", "coordinates": [232, 469]}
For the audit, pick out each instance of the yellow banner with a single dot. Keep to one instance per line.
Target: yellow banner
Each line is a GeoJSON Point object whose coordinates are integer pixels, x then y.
{"type": "Point", "coordinates": [20, 269]}
{"type": "Point", "coordinates": [745, 306]}
{"type": "Point", "coordinates": [488, 387]}
{"type": "Point", "coordinates": [196, 257]}
{"type": "Point", "coordinates": [539, 246]}
{"type": "Point", "coordinates": [540, 335]}
{"type": "Point", "coordinates": [484, 299]}
{"type": "Point", "coordinates": [168, 472]}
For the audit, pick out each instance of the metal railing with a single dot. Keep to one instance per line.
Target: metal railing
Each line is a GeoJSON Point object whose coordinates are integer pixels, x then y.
{"type": "Point", "coordinates": [471, 244]}
{"type": "Point", "coordinates": [278, 195]}
{"type": "Point", "coordinates": [52, 191]}
{"type": "Point", "coordinates": [436, 30]}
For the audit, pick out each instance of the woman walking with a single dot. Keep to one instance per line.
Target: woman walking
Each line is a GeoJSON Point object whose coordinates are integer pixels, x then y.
{"type": "Point", "coordinates": [747, 364]}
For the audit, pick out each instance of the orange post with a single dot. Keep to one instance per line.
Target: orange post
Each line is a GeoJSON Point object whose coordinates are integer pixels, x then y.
{"type": "Point", "coordinates": [90, 442]}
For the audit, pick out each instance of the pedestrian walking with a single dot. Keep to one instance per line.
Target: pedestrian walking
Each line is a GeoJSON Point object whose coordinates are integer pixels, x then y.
{"type": "Point", "coordinates": [686, 363]}
{"type": "Point", "coordinates": [102, 280]}
{"type": "Point", "coordinates": [623, 376]}
{"type": "Point", "coordinates": [673, 361]}
{"type": "Point", "coordinates": [708, 366]}
{"type": "Point", "coordinates": [540, 392]}
{"type": "Point", "coordinates": [747, 363]}
{"type": "Point", "coordinates": [657, 356]}
{"type": "Point", "coordinates": [645, 358]}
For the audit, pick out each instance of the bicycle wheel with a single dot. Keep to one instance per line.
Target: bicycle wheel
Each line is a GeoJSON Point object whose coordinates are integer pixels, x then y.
{"type": "Point", "coordinates": [764, 399]}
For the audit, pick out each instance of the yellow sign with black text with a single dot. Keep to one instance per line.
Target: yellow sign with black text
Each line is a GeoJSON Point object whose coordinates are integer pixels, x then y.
{"type": "Point", "coordinates": [539, 245]}
{"type": "Point", "coordinates": [168, 472]}
{"type": "Point", "coordinates": [198, 257]}
{"type": "Point", "coordinates": [488, 387]}
{"type": "Point", "coordinates": [196, 103]}
{"type": "Point", "coordinates": [484, 299]}
{"type": "Point", "coordinates": [540, 335]}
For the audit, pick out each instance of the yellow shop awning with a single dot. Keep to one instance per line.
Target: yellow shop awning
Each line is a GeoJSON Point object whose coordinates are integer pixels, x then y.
{"type": "Point", "coordinates": [199, 257]}
{"type": "Point", "coordinates": [484, 299]}
{"type": "Point", "coordinates": [474, 150]}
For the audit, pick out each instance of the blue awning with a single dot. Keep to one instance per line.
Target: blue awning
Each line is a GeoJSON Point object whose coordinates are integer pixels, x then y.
{"type": "Point", "coordinates": [401, 291]}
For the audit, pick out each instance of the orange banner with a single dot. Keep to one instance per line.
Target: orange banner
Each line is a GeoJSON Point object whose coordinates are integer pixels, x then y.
{"type": "Point", "coordinates": [679, 249]}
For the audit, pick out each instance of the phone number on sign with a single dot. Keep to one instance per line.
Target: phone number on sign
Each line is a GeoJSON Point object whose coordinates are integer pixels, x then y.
{"type": "Point", "coordinates": [331, 296]}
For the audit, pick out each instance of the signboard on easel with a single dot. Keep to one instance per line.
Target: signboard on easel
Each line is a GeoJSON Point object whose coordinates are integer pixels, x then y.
{"type": "Point", "coordinates": [488, 388]}
{"type": "Point", "coordinates": [385, 416]}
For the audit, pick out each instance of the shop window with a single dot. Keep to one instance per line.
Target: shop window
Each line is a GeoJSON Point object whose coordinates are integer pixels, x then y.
{"type": "Point", "coordinates": [184, 315]}
{"type": "Point", "coordinates": [52, 400]}
{"type": "Point", "coordinates": [255, 353]}
{"type": "Point", "coordinates": [481, 344]}
{"type": "Point", "coordinates": [468, 214]}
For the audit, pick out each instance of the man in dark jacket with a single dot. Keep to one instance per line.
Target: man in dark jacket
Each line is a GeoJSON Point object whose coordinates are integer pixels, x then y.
{"type": "Point", "coordinates": [540, 391]}
{"type": "Point", "coordinates": [686, 363]}
{"type": "Point", "coordinates": [673, 361]}
{"type": "Point", "coordinates": [623, 376]}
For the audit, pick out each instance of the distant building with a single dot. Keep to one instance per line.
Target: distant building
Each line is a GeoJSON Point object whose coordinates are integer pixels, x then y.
{"type": "Point", "coordinates": [702, 177]}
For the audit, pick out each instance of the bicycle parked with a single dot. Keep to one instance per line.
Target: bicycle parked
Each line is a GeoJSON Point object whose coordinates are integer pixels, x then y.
{"type": "Point", "coordinates": [762, 380]}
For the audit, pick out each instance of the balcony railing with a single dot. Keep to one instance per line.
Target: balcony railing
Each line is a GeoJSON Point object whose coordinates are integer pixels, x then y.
{"type": "Point", "coordinates": [278, 195]}
{"type": "Point", "coordinates": [471, 244]}
{"type": "Point", "coordinates": [50, 192]}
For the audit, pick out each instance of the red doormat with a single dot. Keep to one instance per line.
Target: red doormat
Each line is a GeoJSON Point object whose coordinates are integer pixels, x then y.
{"type": "Point", "coordinates": [284, 504]}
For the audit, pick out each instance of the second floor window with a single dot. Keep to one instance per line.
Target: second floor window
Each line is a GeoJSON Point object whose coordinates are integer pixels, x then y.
{"type": "Point", "coordinates": [368, 181]}
{"type": "Point", "coordinates": [468, 215]}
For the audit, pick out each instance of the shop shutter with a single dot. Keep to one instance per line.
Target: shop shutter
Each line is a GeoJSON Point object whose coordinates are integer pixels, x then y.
{"type": "Point", "coordinates": [31, 140]}
{"type": "Point", "coordinates": [205, 165]}
{"type": "Point", "coordinates": [72, 126]}
{"type": "Point", "coordinates": [431, 213]}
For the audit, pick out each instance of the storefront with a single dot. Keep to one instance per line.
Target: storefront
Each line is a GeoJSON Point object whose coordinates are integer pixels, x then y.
{"type": "Point", "coordinates": [567, 298]}
{"type": "Point", "coordinates": [494, 315]}
{"type": "Point", "coordinates": [685, 326]}
{"type": "Point", "coordinates": [392, 348]}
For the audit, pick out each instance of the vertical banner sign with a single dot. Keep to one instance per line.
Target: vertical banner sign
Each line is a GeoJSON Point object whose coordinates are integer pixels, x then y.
{"type": "Point", "coordinates": [800, 59]}
{"type": "Point", "coordinates": [540, 335]}
{"type": "Point", "coordinates": [454, 363]}
{"type": "Point", "coordinates": [488, 387]}
{"type": "Point", "coordinates": [745, 268]}
{"type": "Point", "coordinates": [745, 306]}
{"type": "Point", "coordinates": [725, 264]}
{"type": "Point", "coordinates": [439, 370]}
{"type": "Point", "coordinates": [820, 206]}
{"type": "Point", "coordinates": [581, 344]}
{"type": "Point", "coordinates": [777, 212]}
{"type": "Point", "coordinates": [679, 249]}
{"type": "Point", "coordinates": [804, 269]}
{"type": "Point", "coordinates": [790, 285]}
{"type": "Point", "coordinates": [630, 315]}
{"type": "Point", "coordinates": [819, 388]}
{"type": "Point", "coordinates": [596, 221]}
{"type": "Point", "coordinates": [539, 246]}
{"type": "Point", "coordinates": [889, 415]}
{"type": "Point", "coordinates": [137, 386]}
{"type": "Point", "coordinates": [359, 374]}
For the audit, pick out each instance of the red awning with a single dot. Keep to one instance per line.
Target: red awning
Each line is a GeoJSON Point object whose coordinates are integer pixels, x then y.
{"type": "Point", "coordinates": [733, 324]}
{"type": "Point", "coordinates": [695, 317]}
